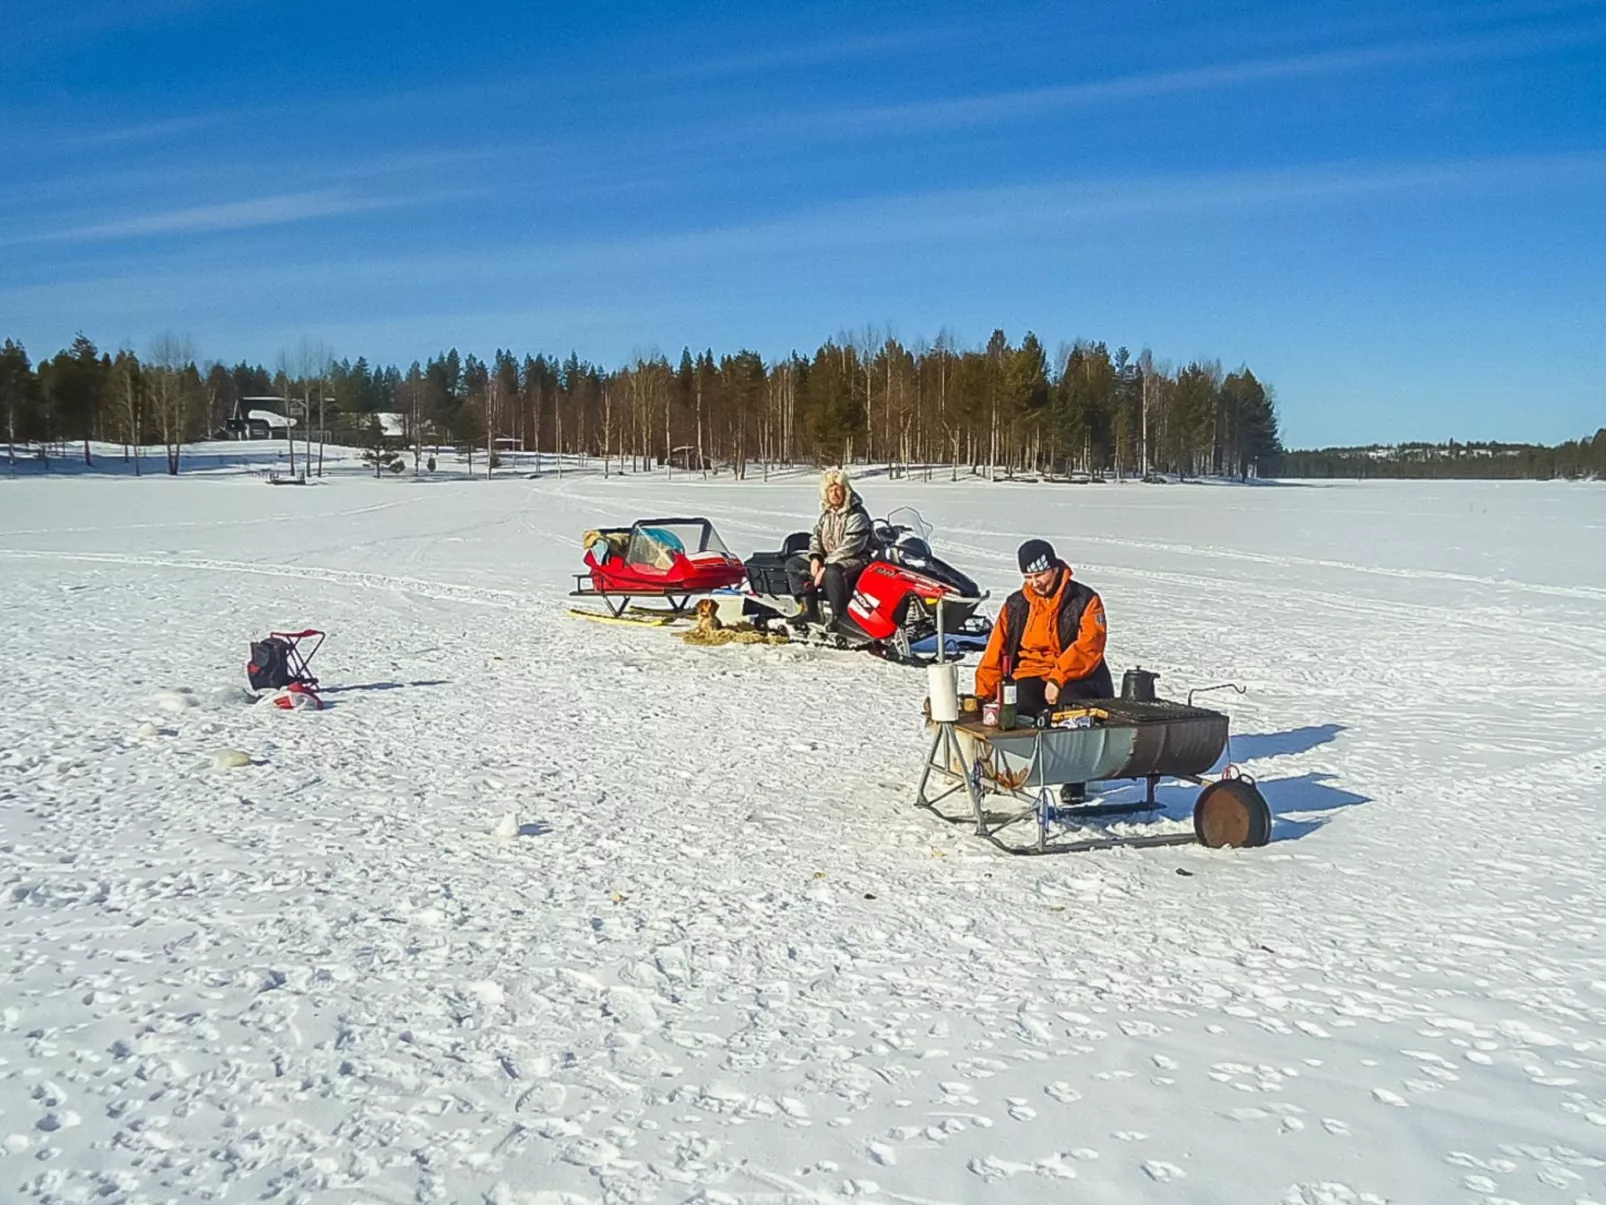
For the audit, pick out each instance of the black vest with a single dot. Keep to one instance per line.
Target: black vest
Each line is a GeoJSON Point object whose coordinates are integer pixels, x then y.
{"type": "Point", "coordinates": [1074, 603]}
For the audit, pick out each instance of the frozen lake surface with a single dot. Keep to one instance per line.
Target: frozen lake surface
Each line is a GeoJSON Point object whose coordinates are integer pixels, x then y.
{"type": "Point", "coordinates": [722, 959]}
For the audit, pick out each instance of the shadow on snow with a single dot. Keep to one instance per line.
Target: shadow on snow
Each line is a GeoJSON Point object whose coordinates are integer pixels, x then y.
{"type": "Point", "coordinates": [1301, 803]}
{"type": "Point", "coordinates": [336, 690]}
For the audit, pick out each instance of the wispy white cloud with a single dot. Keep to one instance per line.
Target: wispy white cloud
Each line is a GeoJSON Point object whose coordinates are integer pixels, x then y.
{"type": "Point", "coordinates": [215, 172]}
{"type": "Point", "coordinates": [230, 215]}
{"type": "Point", "coordinates": [903, 42]}
{"type": "Point", "coordinates": [1433, 20]}
{"type": "Point", "coordinates": [1039, 214]}
{"type": "Point", "coordinates": [145, 131]}
{"type": "Point", "coordinates": [1068, 209]}
{"type": "Point", "coordinates": [1000, 106]}
{"type": "Point", "coordinates": [44, 23]}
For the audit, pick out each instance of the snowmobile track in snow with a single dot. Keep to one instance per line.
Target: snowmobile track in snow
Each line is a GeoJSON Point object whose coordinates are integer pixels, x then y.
{"type": "Point", "coordinates": [488, 596]}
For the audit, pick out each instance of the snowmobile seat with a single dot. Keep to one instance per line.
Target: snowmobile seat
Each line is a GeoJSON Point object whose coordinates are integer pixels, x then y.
{"type": "Point", "coordinates": [766, 574]}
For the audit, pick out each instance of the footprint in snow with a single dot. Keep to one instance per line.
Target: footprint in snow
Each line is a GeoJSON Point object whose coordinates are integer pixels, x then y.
{"type": "Point", "coordinates": [1061, 1091]}
{"type": "Point", "coordinates": [1384, 1096]}
{"type": "Point", "coordinates": [1056, 1167]}
{"type": "Point", "coordinates": [1161, 1171]}
{"type": "Point", "coordinates": [1559, 1177]}
{"type": "Point", "coordinates": [1329, 1193]}
{"type": "Point", "coordinates": [990, 1167]}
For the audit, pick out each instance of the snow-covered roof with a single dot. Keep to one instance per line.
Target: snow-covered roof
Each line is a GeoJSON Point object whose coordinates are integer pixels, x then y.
{"type": "Point", "coordinates": [391, 423]}
{"type": "Point", "coordinates": [270, 418]}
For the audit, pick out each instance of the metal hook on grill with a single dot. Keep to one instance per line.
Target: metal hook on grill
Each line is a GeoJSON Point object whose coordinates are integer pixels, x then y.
{"type": "Point", "coordinates": [1202, 690]}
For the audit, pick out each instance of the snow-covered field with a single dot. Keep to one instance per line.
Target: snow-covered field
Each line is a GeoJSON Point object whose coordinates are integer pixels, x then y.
{"type": "Point", "coordinates": [722, 959]}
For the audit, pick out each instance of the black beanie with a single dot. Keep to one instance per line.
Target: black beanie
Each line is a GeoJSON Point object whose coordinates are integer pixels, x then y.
{"type": "Point", "coordinates": [1036, 556]}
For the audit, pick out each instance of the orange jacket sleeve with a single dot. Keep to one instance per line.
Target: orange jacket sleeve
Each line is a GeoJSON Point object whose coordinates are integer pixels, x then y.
{"type": "Point", "coordinates": [991, 670]}
{"type": "Point", "coordinates": [1083, 657]}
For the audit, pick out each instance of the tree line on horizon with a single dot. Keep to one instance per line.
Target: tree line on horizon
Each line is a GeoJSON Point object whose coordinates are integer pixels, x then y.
{"type": "Point", "coordinates": [1001, 409]}
{"type": "Point", "coordinates": [1573, 459]}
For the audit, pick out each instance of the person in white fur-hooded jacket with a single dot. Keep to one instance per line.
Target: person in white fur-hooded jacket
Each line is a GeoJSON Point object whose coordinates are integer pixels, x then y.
{"type": "Point", "coordinates": [839, 549]}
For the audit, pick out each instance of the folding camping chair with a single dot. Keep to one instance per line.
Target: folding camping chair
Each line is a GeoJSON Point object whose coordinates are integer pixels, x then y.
{"type": "Point", "coordinates": [278, 661]}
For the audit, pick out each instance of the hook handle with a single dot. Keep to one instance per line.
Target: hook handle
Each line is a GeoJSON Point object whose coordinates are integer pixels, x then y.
{"type": "Point", "coordinates": [1203, 690]}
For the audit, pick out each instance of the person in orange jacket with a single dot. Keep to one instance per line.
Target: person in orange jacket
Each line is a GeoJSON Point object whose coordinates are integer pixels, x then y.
{"type": "Point", "coordinates": [1051, 633]}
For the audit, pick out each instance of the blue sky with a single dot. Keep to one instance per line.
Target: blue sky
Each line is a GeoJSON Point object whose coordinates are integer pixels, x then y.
{"type": "Point", "coordinates": [1395, 214]}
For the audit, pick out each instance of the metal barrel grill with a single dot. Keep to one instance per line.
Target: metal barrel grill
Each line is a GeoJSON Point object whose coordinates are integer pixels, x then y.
{"type": "Point", "coordinates": [1012, 777]}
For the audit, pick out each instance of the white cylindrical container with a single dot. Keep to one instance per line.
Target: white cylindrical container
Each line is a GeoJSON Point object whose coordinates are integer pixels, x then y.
{"type": "Point", "coordinates": [942, 683]}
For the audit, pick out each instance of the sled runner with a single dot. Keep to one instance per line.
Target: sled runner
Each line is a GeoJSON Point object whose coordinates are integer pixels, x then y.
{"type": "Point", "coordinates": [639, 617]}
{"type": "Point", "coordinates": [674, 560]}
{"type": "Point", "coordinates": [1020, 782]}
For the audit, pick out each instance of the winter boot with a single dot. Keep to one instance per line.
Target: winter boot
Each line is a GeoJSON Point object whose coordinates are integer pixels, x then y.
{"type": "Point", "coordinates": [809, 616]}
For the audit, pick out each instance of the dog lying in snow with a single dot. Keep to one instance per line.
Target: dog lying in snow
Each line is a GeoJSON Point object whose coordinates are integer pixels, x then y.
{"type": "Point", "coordinates": [708, 630]}
{"type": "Point", "coordinates": [707, 617]}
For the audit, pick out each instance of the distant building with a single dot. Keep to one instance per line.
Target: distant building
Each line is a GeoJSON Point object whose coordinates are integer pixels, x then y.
{"type": "Point", "coordinates": [261, 418]}
{"type": "Point", "coordinates": [684, 456]}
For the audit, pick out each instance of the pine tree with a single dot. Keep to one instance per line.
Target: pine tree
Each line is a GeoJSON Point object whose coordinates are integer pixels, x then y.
{"type": "Point", "coordinates": [75, 384]}
{"type": "Point", "coordinates": [17, 392]}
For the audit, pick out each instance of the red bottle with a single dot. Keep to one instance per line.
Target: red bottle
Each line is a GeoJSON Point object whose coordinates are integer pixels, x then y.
{"type": "Point", "coordinates": [1007, 697]}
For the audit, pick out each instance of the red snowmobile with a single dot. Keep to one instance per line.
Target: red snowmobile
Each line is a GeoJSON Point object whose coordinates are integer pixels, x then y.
{"type": "Point", "coordinates": [905, 598]}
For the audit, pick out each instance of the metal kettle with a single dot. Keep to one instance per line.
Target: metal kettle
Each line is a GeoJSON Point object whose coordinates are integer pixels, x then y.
{"type": "Point", "coordinates": [1137, 685]}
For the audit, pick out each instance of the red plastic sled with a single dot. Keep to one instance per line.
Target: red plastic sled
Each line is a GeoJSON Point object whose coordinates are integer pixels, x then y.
{"type": "Point", "coordinates": [671, 559]}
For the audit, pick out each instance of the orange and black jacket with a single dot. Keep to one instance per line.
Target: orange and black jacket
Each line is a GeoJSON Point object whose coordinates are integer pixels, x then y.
{"type": "Point", "coordinates": [1059, 637]}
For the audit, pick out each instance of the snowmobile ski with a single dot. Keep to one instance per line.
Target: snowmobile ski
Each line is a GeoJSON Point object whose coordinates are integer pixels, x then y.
{"type": "Point", "coordinates": [642, 618]}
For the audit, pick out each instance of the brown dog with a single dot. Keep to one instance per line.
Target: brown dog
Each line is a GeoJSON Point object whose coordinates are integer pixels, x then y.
{"type": "Point", "coordinates": [707, 617]}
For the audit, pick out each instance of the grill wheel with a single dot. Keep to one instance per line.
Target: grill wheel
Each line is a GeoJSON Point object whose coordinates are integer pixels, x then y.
{"type": "Point", "coordinates": [1232, 813]}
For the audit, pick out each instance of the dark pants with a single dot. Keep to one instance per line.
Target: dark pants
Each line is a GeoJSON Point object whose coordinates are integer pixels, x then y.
{"type": "Point", "coordinates": [1030, 700]}
{"type": "Point", "coordinates": [837, 584]}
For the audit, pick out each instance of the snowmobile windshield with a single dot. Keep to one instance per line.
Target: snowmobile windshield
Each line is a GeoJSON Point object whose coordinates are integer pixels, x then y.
{"type": "Point", "coordinates": [906, 522]}
{"type": "Point", "coordinates": [656, 544]}
{"type": "Point", "coordinates": [905, 537]}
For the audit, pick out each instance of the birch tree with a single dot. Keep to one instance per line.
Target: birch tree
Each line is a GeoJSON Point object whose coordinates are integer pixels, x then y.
{"type": "Point", "coordinates": [170, 356]}
{"type": "Point", "coordinates": [126, 387]}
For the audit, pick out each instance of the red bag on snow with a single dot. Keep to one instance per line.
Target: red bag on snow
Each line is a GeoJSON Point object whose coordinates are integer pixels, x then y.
{"type": "Point", "coordinates": [298, 696]}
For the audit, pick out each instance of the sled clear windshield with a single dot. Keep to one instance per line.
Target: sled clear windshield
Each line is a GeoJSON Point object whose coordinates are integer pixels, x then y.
{"type": "Point", "coordinates": [656, 544]}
